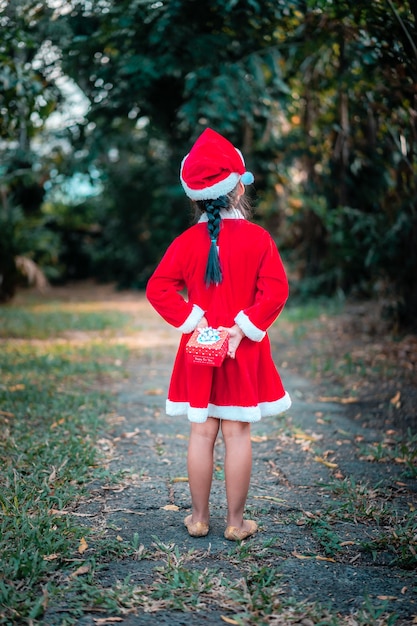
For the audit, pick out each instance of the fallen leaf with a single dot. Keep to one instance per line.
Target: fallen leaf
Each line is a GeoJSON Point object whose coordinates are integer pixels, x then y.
{"type": "Point", "coordinates": [299, 434]}
{"type": "Point", "coordinates": [316, 557]}
{"type": "Point", "coordinates": [83, 546]}
{"type": "Point", "coordinates": [404, 590]}
{"type": "Point", "coordinates": [180, 479]}
{"type": "Point", "coordinates": [6, 414]}
{"type": "Point", "coordinates": [107, 620]}
{"type": "Point", "coordinates": [154, 392]}
{"type": "Point", "coordinates": [84, 569]}
{"type": "Point", "coordinates": [58, 423]}
{"type": "Point", "coordinates": [131, 434]}
{"type": "Point", "coordinates": [171, 507]}
{"type": "Point", "coordinates": [58, 512]}
{"type": "Point", "coordinates": [347, 543]}
{"type": "Point", "coordinates": [50, 557]}
{"type": "Point", "coordinates": [229, 620]}
{"type": "Point", "coordinates": [396, 399]}
{"type": "Point", "coordinates": [258, 438]}
{"type": "Point", "coordinates": [119, 538]}
{"type": "Point", "coordinates": [319, 459]}
{"type": "Point", "coordinates": [301, 556]}
{"type": "Point", "coordinates": [271, 498]}
{"type": "Point", "coordinates": [386, 598]}
{"type": "Point", "coordinates": [18, 387]}
{"type": "Point", "coordinates": [337, 399]}
{"type": "Point", "coordinates": [343, 432]}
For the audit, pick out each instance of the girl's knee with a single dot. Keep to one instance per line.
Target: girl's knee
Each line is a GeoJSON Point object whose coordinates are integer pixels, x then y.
{"type": "Point", "coordinates": [235, 429]}
{"type": "Point", "coordinates": [208, 429]}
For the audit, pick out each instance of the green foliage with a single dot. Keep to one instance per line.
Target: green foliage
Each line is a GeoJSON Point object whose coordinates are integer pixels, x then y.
{"type": "Point", "coordinates": [351, 142]}
{"type": "Point", "coordinates": [320, 96]}
{"type": "Point", "coordinates": [28, 96]}
{"type": "Point", "coordinates": [152, 75]}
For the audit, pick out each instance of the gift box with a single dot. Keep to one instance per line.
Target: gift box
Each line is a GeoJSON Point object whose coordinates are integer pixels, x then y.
{"type": "Point", "coordinates": [207, 346]}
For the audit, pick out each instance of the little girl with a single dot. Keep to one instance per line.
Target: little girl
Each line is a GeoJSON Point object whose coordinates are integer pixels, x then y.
{"type": "Point", "coordinates": [234, 279]}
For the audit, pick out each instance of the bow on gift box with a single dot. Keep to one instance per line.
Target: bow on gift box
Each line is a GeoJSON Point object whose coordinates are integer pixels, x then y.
{"type": "Point", "coordinates": [208, 335]}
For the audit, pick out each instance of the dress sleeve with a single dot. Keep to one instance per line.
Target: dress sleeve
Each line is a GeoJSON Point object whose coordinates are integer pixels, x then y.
{"type": "Point", "coordinates": [164, 292]}
{"type": "Point", "coordinates": [271, 295]}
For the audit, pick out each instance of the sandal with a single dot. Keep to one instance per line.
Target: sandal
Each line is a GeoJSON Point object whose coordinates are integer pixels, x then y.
{"type": "Point", "coordinates": [196, 529]}
{"type": "Point", "coordinates": [233, 533]}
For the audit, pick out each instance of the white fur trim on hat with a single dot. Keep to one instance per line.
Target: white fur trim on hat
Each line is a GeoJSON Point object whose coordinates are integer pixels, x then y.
{"type": "Point", "coordinates": [250, 330]}
{"type": "Point", "coordinates": [221, 188]}
{"type": "Point", "coordinates": [213, 167]}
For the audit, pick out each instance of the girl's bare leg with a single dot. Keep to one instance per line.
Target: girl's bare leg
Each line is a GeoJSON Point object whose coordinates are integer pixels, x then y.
{"type": "Point", "coordinates": [200, 466]}
{"type": "Point", "coordinates": [238, 467]}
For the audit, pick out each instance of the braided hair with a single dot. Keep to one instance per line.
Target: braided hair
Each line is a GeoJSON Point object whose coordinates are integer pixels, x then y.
{"type": "Point", "coordinates": [212, 208]}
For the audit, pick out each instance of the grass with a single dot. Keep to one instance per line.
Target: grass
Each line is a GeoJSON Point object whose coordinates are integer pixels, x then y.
{"type": "Point", "coordinates": [397, 450]}
{"type": "Point", "coordinates": [41, 321]}
{"type": "Point", "coordinates": [53, 403]}
{"type": "Point", "coordinates": [50, 416]}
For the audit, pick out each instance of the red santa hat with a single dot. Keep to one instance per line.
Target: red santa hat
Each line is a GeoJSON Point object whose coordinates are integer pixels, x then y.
{"type": "Point", "coordinates": [213, 167]}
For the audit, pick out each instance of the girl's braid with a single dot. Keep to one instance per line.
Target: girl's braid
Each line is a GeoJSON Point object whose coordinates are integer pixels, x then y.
{"type": "Point", "coordinates": [213, 207]}
{"type": "Point", "coordinates": [213, 214]}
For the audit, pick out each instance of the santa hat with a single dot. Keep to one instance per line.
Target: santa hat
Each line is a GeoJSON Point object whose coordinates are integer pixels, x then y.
{"type": "Point", "coordinates": [212, 168]}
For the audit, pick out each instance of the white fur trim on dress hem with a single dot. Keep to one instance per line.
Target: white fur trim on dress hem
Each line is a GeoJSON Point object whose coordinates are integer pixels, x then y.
{"type": "Point", "coordinates": [233, 413]}
{"type": "Point", "coordinates": [250, 330]}
{"type": "Point", "coordinates": [277, 407]}
{"type": "Point", "coordinates": [192, 320]}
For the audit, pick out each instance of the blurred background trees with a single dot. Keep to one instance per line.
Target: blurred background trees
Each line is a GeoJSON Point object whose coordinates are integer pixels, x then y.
{"type": "Point", "coordinates": [100, 100]}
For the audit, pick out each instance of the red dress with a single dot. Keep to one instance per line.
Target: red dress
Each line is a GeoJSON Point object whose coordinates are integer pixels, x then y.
{"type": "Point", "coordinates": [252, 294]}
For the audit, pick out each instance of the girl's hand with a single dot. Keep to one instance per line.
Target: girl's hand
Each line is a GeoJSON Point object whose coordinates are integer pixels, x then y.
{"type": "Point", "coordinates": [236, 335]}
{"type": "Point", "coordinates": [203, 323]}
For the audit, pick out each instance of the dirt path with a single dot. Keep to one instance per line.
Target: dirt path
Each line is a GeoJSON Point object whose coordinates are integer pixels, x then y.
{"type": "Point", "coordinates": [318, 499]}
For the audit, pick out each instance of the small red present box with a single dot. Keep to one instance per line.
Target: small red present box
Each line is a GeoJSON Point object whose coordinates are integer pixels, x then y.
{"type": "Point", "coordinates": [207, 346]}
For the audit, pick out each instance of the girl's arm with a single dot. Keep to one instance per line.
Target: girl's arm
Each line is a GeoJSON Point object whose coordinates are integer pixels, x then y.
{"type": "Point", "coordinates": [164, 293]}
{"type": "Point", "coordinates": [271, 295]}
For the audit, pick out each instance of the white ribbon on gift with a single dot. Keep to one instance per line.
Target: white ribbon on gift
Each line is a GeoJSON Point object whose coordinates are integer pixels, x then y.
{"type": "Point", "coordinates": [208, 335]}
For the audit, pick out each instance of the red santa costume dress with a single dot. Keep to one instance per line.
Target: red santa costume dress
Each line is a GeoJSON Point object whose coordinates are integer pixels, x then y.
{"type": "Point", "coordinates": [252, 294]}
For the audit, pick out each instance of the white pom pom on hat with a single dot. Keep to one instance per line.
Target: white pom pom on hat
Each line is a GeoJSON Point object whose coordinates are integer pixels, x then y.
{"type": "Point", "coordinates": [213, 167]}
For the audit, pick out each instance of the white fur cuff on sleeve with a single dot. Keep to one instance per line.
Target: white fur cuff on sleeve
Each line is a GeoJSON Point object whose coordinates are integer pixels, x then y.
{"type": "Point", "coordinates": [250, 330]}
{"type": "Point", "coordinates": [192, 320]}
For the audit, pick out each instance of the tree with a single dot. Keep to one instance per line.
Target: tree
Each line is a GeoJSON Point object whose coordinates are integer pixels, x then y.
{"type": "Point", "coordinates": [28, 95]}
{"type": "Point", "coordinates": [355, 142]}
{"type": "Point", "coordinates": [156, 74]}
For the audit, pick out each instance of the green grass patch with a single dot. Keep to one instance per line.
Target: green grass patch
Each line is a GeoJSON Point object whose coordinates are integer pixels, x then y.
{"type": "Point", "coordinates": [51, 403]}
{"type": "Point", "coordinates": [296, 311]}
{"type": "Point", "coordinates": [42, 321]}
